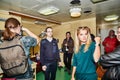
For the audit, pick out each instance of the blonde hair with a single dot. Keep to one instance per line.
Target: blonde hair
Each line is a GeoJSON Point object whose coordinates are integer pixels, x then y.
{"type": "Point", "coordinates": [78, 42]}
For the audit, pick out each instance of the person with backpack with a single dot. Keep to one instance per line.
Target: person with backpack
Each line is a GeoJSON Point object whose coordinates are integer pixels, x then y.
{"type": "Point", "coordinates": [14, 51]}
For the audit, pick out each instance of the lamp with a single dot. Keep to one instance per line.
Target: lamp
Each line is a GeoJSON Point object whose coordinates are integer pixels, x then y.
{"type": "Point", "coordinates": [48, 10]}
{"type": "Point", "coordinates": [75, 12]}
{"type": "Point", "coordinates": [111, 17]}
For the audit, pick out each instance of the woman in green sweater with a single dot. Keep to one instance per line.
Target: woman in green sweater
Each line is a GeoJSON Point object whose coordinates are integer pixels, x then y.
{"type": "Point", "coordinates": [87, 53]}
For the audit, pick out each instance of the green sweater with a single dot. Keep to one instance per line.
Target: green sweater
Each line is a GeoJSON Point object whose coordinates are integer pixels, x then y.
{"type": "Point", "coordinates": [84, 61]}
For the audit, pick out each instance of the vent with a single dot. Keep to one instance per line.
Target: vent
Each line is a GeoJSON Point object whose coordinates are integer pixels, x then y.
{"type": "Point", "coordinates": [2, 19]}
{"type": "Point", "coordinates": [75, 2]}
{"type": "Point", "coordinates": [40, 23]}
{"type": "Point", "coordinates": [97, 1]}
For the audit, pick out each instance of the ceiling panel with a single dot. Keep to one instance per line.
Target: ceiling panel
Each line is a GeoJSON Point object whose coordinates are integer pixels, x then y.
{"type": "Point", "coordinates": [32, 6]}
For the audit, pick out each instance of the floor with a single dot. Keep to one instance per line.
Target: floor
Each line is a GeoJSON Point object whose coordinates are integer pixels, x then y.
{"type": "Point", "coordinates": [61, 75]}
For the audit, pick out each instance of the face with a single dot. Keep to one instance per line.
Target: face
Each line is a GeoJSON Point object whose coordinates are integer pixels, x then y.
{"type": "Point", "coordinates": [83, 36]}
{"type": "Point", "coordinates": [49, 32]}
{"type": "Point", "coordinates": [15, 29]}
{"type": "Point", "coordinates": [68, 35]}
{"type": "Point", "coordinates": [118, 34]}
{"type": "Point", "coordinates": [111, 33]}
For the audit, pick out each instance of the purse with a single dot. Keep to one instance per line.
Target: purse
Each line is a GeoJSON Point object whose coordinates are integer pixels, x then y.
{"type": "Point", "coordinates": [100, 71]}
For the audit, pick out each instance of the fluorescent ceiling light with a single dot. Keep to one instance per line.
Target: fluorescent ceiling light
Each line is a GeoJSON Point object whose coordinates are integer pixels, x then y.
{"type": "Point", "coordinates": [111, 17]}
{"type": "Point", "coordinates": [48, 10]}
{"type": "Point", "coordinates": [75, 12]}
{"type": "Point", "coordinates": [96, 1]}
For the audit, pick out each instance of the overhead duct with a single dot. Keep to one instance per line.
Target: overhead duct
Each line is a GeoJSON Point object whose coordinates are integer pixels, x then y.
{"type": "Point", "coordinates": [33, 17]}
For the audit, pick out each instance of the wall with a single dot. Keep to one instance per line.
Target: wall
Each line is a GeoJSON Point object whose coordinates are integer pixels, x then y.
{"type": "Point", "coordinates": [60, 30]}
{"type": "Point", "coordinates": [5, 15]}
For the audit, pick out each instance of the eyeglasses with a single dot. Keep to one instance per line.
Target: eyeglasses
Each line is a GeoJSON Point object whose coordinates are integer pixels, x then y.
{"type": "Point", "coordinates": [12, 27]}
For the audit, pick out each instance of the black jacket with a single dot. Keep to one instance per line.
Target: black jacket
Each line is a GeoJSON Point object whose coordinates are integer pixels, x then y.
{"type": "Point", "coordinates": [111, 62]}
{"type": "Point", "coordinates": [49, 51]}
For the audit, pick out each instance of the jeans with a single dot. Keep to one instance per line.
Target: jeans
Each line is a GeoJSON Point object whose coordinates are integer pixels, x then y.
{"type": "Point", "coordinates": [67, 60]}
{"type": "Point", "coordinates": [50, 73]}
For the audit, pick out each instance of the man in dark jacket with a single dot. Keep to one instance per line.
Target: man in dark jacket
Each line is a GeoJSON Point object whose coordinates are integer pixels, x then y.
{"type": "Point", "coordinates": [111, 62]}
{"type": "Point", "coordinates": [49, 55]}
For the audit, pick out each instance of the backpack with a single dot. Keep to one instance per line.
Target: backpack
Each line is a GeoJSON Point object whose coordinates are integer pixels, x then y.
{"type": "Point", "coordinates": [13, 59]}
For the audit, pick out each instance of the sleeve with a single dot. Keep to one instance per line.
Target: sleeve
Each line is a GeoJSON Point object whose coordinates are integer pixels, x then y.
{"type": "Point", "coordinates": [29, 41]}
{"type": "Point", "coordinates": [42, 53]}
{"type": "Point", "coordinates": [111, 59]}
{"type": "Point", "coordinates": [63, 46]}
{"type": "Point", "coordinates": [74, 60]}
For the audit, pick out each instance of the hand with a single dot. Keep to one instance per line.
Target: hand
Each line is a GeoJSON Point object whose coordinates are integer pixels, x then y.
{"type": "Point", "coordinates": [60, 64]}
{"type": "Point", "coordinates": [72, 78]}
{"type": "Point", "coordinates": [66, 44]}
{"type": "Point", "coordinates": [97, 40]}
{"type": "Point", "coordinates": [44, 68]}
{"type": "Point", "coordinates": [107, 45]}
{"type": "Point", "coordinates": [23, 28]}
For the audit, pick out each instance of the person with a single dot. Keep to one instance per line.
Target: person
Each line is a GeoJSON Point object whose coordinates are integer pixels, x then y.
{"type": "Point", "coordinates": [12, 31]}
{"type": "Point", "coordinates": [110, 42]}
{"type": "Point", "coordinates": [49, 55]}
{"type": "Point", "coordinates": [87, 53]}
{"type": "Point", "coordinates": [67, 48]}
{"type": "Point", "coordinates": [111, 62]}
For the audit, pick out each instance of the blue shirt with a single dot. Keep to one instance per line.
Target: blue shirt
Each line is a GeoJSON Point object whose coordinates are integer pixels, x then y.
{"type": "Point", "coordinates": [28, 42]}
{"type": "Point", "coordinates": [84, 61]}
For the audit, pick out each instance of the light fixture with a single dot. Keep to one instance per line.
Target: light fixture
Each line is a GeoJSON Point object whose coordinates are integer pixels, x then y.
{"type": "Point", "coordinates": [111, 17]}
{"type": "Point", "coordinates": [48, 10]}
{"type": "Point", "coordinates": [75, 12]}
{"type": "Point", "coordinates": [96, 1]}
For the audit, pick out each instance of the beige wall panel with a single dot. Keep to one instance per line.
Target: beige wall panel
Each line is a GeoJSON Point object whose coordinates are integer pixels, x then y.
{"type": "Point", "coordinates": [60, 30]}
{"type": "Point", "coordinates": [5, 15]}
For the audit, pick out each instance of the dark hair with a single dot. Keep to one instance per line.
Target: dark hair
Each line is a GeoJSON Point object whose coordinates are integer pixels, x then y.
{"type": "Point", "coordinates": [68, 33]}
{"type": "Point", "coordinates": [10, 22]}
{"type": "Point", "coordinates": [112, 31]}
{"type": "Point", "coordinates": [118, 27]}
{"type": "Point", "coordinates": [47, 28]}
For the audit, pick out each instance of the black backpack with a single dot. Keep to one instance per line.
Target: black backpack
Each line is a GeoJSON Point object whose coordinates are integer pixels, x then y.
{"type": "Point", "coordinates": [13, 59]}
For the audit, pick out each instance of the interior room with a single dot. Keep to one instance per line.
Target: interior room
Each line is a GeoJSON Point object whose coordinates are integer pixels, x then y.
{"type": "Point", "coordinates": [62, 15]}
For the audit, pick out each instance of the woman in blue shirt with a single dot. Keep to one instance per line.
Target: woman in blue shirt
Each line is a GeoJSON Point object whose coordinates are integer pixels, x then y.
{"type": "Point", "coordinates": [87, 53]}
{"type": "Point", "coordinates": [13, 30]}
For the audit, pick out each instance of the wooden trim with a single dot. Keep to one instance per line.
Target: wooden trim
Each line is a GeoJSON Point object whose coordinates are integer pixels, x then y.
{"type": "Point", "coordinates": [33, 17]}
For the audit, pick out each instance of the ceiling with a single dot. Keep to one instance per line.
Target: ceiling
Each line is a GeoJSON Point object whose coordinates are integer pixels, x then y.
{"type": "Point", "coordinates": [31, 7]}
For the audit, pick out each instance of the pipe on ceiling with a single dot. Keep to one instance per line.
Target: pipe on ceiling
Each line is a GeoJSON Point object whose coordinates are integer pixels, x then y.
{"type": "Point", "coordinates": [33, 17]}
